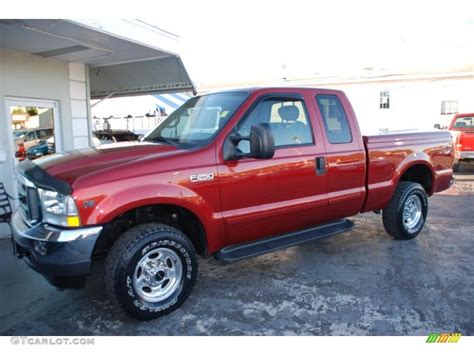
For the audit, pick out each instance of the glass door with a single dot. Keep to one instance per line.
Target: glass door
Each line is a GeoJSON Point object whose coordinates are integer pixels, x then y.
{"type": "Point", "coordinates": [34, 128]}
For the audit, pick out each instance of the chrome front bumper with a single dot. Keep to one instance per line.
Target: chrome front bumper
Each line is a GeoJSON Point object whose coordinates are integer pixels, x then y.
{"type": "Point", "coordinates": [48, 233]}
{"type": "Point", "coordinates": [63, 256]}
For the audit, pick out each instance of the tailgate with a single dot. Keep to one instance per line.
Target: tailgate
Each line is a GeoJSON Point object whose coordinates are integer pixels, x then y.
{"type": "Point", "coordinates": [466, 141]}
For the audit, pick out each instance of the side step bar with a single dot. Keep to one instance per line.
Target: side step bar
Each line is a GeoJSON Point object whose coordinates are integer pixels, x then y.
{"type": "Point", "coordinates": [241, 251]}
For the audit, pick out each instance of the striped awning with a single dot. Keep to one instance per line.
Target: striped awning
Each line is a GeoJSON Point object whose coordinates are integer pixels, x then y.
{"type": "Point", "coordinates": [138, 105]}
{"type": "Point", "coordinates": [170, 102]}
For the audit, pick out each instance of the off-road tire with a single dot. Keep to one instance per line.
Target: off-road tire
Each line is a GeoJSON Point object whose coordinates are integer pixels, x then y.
{"type": "Point", "coordinates": [123, 257]}
{"type": "Point", "coordinates": [393, 212]}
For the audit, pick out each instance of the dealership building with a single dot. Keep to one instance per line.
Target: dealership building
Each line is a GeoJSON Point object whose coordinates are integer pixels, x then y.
{"type": "Point", "coordinates": [54, 68]}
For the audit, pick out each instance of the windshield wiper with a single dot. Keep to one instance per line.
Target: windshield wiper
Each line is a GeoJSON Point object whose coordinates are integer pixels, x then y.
{"type": "Point", "coordinates": [162, 139]}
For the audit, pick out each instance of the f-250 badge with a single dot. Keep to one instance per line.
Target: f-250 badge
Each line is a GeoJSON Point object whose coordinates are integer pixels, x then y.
{"type": "Point", "coordinates": [201, 177]}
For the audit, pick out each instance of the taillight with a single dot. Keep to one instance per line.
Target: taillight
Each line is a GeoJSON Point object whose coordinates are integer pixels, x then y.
{"type": "Point", "coordinates": [20, 150]}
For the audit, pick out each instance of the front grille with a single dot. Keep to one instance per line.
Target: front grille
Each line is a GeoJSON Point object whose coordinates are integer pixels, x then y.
{"type": "Point", "coordinates": [29, 201]}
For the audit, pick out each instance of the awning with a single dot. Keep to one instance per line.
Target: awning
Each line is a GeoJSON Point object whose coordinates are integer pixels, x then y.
{"type": "Point", "coordinates": [170, 102]}
{"type": "Point", "coordinates": [162, 75]}
{"type": "Point", "coordinates": [125, 57]}
{"type": "Point", "coordinates": [138, 105]}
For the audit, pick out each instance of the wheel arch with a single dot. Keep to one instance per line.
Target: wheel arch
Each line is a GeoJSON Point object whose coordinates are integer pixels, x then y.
{"type": "Point", "coordinates": [174, 205]}
{"type": "Point", "coordinates": [420, 171]}
{"type": "Point", "coordinates": [172, 215]}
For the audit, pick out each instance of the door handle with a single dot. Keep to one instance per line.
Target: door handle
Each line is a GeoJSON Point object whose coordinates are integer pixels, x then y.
{"type": "Point", "coordinates": [320, 165]}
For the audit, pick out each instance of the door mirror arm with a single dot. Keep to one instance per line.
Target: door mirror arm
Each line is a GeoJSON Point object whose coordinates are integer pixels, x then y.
{"type": "Point", "coordinates": [231, 152]}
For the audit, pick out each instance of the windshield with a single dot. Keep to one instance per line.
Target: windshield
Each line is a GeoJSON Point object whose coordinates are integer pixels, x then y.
{"type": "Point", "coordinates": [464, 122]}
{"type": "Point", "coordinates": [198, 120]}
{"type": "Point", "coordinates": [19, 134]}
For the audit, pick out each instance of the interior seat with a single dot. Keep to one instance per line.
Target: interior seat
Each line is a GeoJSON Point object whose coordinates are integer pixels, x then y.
{"type": "Point", "coordinates": [291, 131]}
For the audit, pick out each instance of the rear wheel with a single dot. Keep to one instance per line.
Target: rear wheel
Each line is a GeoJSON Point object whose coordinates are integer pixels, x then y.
{"type": "Point", "coordinates": [405, 215]}
{"type": "Point", "coordinates": [150, 271]}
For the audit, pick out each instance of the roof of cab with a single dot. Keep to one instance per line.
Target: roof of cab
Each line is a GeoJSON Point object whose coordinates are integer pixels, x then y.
{"type": "Point", "coordinates": [253, 89]}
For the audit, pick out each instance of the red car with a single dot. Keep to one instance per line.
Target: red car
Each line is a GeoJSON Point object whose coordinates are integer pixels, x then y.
{"type": "Point", "coordinates": [232, 174]}
{"type": "Point", "coordinates": [462, 129]}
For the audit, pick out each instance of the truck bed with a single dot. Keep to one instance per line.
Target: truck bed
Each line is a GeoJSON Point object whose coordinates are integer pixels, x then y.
{"type": "Point", "coordinates": [390, 155]}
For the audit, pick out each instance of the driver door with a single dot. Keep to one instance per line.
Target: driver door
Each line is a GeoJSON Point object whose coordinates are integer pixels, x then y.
{"type": "Point", "coordinates": [268, 197]}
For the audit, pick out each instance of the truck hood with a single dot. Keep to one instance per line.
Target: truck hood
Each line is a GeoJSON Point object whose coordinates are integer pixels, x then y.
{"type": "Point", "coordinates": [69, 166]}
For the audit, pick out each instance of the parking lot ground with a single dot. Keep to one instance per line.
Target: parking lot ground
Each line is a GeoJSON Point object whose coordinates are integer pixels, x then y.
{"type": "Point", "coordinates": [357, 283]}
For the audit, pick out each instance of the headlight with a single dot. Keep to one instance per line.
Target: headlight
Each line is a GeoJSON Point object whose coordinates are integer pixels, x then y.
{"type": "Point", "coordinates": [58, 209]}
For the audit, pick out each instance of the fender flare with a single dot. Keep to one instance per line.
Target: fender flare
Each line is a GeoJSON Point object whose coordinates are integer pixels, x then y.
{"type": "Point", "coordinates": [419, 158]}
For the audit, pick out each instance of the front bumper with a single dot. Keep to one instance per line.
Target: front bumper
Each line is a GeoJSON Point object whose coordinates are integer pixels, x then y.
{"type": "Point", "coordinates": [465, 155]}
{"type": "Point", "coordinates": [63, 256]}
{"type": "Point", "coordinates": [34, 155]}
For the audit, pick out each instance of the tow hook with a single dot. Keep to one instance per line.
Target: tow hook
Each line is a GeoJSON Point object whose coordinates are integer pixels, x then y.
{"type": "Point", "coordinates": [21, 255]}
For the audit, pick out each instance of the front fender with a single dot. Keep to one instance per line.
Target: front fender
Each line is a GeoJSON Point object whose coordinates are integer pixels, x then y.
{"type": "Point", "coordinates": [130, 198]}
{"type": "Point", "coordinates": [120, 199]}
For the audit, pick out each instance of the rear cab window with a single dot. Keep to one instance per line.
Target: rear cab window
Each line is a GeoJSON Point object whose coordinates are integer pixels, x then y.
{"type": "Point", "coordinates": [464, 122]}
{"type": "Point", "coordinates": [335, 121]}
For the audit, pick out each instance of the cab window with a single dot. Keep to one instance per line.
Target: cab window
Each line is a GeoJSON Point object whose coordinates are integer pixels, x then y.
{"type": "Point", "coordinates": [288, 120]}
{"type": "Point", "coordinates": [464, 122]}
{"type": "Point", "coordinates": [30, 136]}
{"type": "Point", "coordinates": [335, 120]}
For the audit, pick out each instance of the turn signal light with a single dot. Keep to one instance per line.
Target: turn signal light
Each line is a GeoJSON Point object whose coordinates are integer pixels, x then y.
{"type": "Point", "coordinates": [73, 221]}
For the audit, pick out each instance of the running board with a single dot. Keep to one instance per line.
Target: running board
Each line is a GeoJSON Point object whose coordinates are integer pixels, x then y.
{"type": "Point", "coordinates": [241, 251]}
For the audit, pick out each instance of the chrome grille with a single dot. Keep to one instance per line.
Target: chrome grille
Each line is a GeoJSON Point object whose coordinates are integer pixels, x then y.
{"type": "Point", "coordinates": [28, 200]}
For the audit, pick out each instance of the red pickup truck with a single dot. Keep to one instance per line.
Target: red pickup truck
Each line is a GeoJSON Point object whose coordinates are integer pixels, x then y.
{"type": "Point", "coordinates": [462, 129]}
{"type": "Point", "coordinates": [232, 174]}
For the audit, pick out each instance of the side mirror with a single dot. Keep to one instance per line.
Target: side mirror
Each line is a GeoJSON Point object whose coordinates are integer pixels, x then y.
{"type": "Point", "coordinates": [437, 126]}
{"type": "Point", "coordinates": [262, 144]}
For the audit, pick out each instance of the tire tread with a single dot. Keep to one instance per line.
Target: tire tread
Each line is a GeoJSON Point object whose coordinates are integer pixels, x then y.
{"type": "Point", "coordinates": [123, 247]}
{"type": "Point", "coordinates": [391, 211]}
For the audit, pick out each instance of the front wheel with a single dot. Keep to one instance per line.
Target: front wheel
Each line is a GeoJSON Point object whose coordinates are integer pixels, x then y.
{"type": "Point", "coordinates": [150, 271]}
{"type": "Point", "coordinates": [405, 215]}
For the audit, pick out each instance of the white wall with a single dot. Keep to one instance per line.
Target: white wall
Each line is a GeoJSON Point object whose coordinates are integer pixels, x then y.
{"type": "Point", "coordinates": [414, 104]}
{"type": "Point", "coordinates": [27, 76]}
{"type": "Point", "coordinates": [79, 105]}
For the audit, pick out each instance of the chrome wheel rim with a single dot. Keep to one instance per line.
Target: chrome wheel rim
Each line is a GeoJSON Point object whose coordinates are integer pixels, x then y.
{"type": "Point", "coordinates": [412, 212]}
{"type": "Point", "coordinates": [157, 274]}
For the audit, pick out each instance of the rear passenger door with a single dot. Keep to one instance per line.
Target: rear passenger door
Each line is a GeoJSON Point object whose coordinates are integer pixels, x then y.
{"type": "Point", "coordinates": [345, 154]}
{"type": "Point", "coordinates": [267, 197]}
